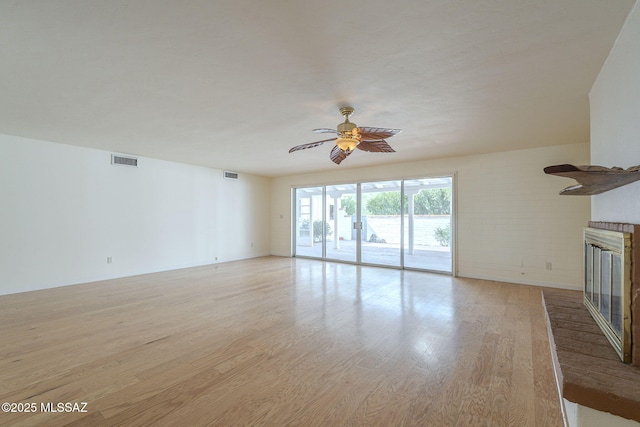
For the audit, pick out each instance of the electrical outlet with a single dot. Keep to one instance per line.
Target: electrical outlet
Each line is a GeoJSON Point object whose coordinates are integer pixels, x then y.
{"type": "Point", "coordinates": [549, 266]}
{"type": "Point", "coordinates": [109, 260]}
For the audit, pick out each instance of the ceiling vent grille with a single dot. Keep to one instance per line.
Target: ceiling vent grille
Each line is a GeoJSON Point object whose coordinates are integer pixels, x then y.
{"type": "Point", "coordinates": [124, 161]}
{"type": "Point", "coordinates": [230, 175]}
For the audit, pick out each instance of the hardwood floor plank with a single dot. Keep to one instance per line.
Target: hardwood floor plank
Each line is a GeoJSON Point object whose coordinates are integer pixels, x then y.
{"type": "Point", "coordinates": [522, 406]}
{"type": "Point", "coordinates": [280, 341]}
{"type": "Point", "coordinates": [496, 412]}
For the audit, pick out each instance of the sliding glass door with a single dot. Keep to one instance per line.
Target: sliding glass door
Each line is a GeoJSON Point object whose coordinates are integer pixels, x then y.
{"type": "Point", "coordinates": [427, 220]}
{"type": "Point", "coordinates": [309, 233]}
{"type": "Point", "coordinates": [399, 223]}
{"type": "Point", "coordinates": [341, 215]}
{"type": "Point", "coordinates": [382, 223]}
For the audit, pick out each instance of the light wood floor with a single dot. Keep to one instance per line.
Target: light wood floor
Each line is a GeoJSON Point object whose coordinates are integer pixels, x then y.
{"type": "Point", "coordinates": [279, 341]}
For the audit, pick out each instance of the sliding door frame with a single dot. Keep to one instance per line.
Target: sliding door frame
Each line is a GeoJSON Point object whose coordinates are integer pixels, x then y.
{"type": "Point", "coordinates": [359, 223]}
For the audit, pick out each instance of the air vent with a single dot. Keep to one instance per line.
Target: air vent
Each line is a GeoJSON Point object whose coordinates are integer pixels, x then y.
{"type": "Point", "coordinates": [230, 175]}
{"type": "Point", "coordinates": [124, 161]}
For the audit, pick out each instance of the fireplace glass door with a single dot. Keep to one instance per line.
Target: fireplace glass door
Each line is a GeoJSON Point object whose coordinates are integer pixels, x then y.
{"type": "Point", "coordinates": [607, 285]}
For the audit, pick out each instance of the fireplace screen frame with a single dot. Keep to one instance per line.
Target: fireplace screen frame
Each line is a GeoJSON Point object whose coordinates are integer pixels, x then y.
{"type": "Point", "coordinates": [607, 285]}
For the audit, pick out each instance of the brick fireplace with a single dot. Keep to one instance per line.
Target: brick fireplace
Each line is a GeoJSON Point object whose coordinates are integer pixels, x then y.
{"type": "Point", "coordinates": [588, 372]}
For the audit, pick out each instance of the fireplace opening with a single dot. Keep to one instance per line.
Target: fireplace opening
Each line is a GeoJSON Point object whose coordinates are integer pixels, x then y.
{"type": "Point", "coordinates": [607, 285]}
{"type": "Point", "coordinates": [612, 284]}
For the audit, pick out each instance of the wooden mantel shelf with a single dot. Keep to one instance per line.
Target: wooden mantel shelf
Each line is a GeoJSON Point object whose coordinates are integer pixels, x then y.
{"type": "Point", "coordinates": [594, 179]}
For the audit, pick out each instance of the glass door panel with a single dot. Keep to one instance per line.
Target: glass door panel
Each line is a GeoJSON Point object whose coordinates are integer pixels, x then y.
{"type": "Point", "coordinates": [381, 223]}
{"type": "Point", "coordinates": [341, 214]}
{"type": "Point", "coordinates": [427, 220]}
{"type": "Point", "coordinates": [309, 236]}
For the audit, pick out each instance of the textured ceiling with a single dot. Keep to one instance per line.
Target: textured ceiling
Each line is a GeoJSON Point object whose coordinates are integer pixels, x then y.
{"type": "Point", "coordinates": [233, 84]}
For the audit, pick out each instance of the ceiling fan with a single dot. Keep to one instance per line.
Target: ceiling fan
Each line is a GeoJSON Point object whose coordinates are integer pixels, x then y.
{"type": "Point", "coordinates": [351, 137]}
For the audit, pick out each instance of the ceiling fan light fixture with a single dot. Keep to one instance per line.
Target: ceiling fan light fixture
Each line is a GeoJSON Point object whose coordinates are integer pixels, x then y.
{"type": "Point", "coordinates": [347, 142]}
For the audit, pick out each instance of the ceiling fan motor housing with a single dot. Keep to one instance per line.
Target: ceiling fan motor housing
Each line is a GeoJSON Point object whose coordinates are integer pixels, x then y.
{"type": "Point", "coordinates": [346, 128]}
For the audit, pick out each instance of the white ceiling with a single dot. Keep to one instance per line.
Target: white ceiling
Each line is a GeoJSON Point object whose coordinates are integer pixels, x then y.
{"type": "Point", "coordinates": [233, 84]}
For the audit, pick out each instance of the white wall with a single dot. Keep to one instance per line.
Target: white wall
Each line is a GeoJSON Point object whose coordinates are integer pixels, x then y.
{"type": "Point", "coordinates": [511, 219]}
{"type": "Point", "coordinates": [65, 209]}
{"type": "Point", "coordinates": [615, 123]}
{"type": "Point", "coordinates": [615, 141]}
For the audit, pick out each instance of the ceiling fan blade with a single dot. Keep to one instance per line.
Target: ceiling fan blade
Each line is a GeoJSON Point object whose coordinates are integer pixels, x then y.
{"type": "Point", "coordinates": [325, 130]}
{"type": "Point", "coordinates": [375, 134]}
{"type": "Point", "coordinates": [379, 146]}
{"type": "Point", "coordinates": [310, 145]}
{"type": "Point", "coordinates": [337, 155]}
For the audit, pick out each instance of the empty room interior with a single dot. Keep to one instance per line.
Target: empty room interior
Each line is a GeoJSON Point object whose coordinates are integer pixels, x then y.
{"type": "Point", "coordinates": [319, 213]}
